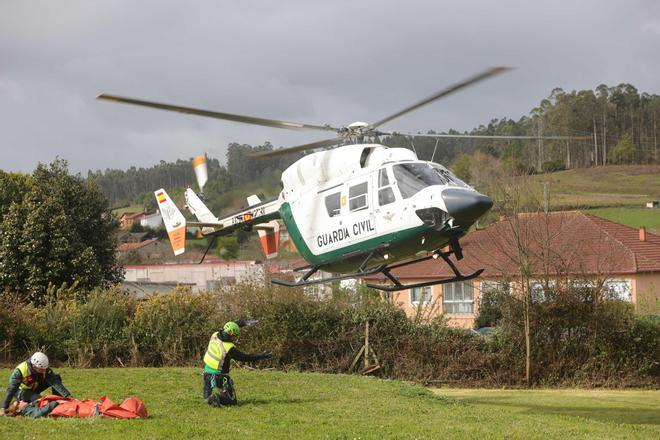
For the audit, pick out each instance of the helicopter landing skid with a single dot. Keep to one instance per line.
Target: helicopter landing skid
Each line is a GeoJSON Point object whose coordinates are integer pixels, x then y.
{"type": "Point", "coordinates": [397, 285]}
{"type": "Point", "coordinates": [386, 270]}
{"type": "Point", "coordinates": [305, 281]}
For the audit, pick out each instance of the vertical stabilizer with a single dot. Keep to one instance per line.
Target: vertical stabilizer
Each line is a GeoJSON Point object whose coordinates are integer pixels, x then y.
{"type": "Point", "coordinates": [200, 210]}
{"type": "Point", "coordinates": [175, 222]}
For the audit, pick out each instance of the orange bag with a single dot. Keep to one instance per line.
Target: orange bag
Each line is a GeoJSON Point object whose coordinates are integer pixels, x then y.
{"type": "Point", "coordinates": [131, 408]}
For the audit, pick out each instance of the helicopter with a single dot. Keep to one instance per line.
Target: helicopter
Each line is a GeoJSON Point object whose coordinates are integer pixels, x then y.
{"type": "Point", "coordinates": [353, 209]}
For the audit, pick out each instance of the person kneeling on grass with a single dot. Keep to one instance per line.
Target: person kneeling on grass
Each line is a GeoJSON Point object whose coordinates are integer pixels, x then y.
{"type": "Point", "coordinates": [218, 386]}
{"type": "Point", "coordinates": [30, 378]}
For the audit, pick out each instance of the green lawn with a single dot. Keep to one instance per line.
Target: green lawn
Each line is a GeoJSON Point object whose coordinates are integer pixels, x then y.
{"type": "Point", "coordinates": [649, 218]}
{"type": "Point", "coordinates": [133, 208]}
{"type": "Point", "coordinates": [304, 405]}
{"type": "Point", "coordinates": [618, 185]}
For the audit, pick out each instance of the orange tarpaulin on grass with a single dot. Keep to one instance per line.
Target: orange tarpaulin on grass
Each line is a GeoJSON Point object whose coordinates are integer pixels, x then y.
{"type": "Point", "coordinates": [131, 408]}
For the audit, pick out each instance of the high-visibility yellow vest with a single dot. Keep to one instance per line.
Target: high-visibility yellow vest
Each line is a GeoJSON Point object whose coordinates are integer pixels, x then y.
{"type": "Point", "coordinates": [25, 371]}
{"type": "Point", "coordinates": [216, 352]}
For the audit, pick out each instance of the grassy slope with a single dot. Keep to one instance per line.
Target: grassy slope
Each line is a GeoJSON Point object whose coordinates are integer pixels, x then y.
{"type": "Point", "coordinates": [649, 218]}
{"type": "Point", "coordinates": [621, 185]}
{"type": "Point", "coordinates": [133, 208]}
{"type": "Point", "coordinates": [618, 193]}
{"type": "Point", "coordinates": [295, 405]}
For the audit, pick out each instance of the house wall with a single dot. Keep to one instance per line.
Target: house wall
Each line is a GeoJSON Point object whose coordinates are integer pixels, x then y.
{"type": "Point", "coordinates": [646, 293]}
{"type": "Point", "coordinates": [127, 220]}
{"type": "Point", "coordinates": [152, 221]}
{"type": "Point", "coordinates": [434, 308]}
{"type": "Point", "coordinates": [202, 276]}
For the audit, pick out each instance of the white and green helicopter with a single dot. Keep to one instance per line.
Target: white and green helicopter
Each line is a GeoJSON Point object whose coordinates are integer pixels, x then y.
{"type": "Point", "coordinates": [353, 210]}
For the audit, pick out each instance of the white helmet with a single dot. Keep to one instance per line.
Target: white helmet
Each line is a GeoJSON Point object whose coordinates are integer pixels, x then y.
{"type": "Point", "coordinates": [39, 360]}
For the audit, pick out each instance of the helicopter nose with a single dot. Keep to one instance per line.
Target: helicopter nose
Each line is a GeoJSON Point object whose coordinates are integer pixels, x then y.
{"type": "Point", "coordinates": [465, 206]}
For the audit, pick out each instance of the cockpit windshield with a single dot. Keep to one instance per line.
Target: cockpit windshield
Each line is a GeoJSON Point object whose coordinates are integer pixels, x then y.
{"type": "Point", "coordinates": [414, 176]}
{"type": "Point", "coordinates": [451, 177]}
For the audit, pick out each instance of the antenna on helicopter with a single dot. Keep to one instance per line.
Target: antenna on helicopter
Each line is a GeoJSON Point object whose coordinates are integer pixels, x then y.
{"type": "Point", "coordinates": [434, 148]}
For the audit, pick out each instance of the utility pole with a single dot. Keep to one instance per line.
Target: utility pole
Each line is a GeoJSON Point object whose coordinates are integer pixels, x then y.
{"type": "Point", "coordinates": [540, 146]}
{"type": "Point", "coordinates": [595, 143]}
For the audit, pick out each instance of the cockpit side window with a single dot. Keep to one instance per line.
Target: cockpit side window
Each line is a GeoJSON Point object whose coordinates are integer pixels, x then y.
{"type": "Point", "coordinates": [333, 204]}
{"type": "Point", "coordinates": [385, 191]}
{"type": "Point", "coordinates": [383, 180]}
{"type": "Point", "coordinates": [357, 196]}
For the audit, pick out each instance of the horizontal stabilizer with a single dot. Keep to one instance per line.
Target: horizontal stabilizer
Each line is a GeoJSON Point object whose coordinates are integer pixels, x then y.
{"type": "Point", "coordinates": [269, 234]}
{"type": "Point", "coordinates": [175, 222]}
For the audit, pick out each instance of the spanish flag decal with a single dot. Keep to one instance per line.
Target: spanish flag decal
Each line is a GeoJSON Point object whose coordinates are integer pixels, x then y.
{"type": "Point", "coordinates": [161, 197]}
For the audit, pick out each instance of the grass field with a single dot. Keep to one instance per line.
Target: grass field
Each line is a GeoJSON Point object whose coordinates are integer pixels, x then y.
{"type": "Point", "coordinates": [133, 208]}
{"type": "Point", "coordinates": [305, 405]}
{"type": "Point", "coordinates": [620, 185]}
{"type": "Point", "coordinates": [649, 218]}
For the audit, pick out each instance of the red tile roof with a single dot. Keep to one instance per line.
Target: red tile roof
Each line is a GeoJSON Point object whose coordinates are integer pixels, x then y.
{"type": "Point", "coordinates": [568, 242]}
{"type": "Point", "coordinates": [133, 215]}
{"type": "Point", "coordinates": [134, 246]}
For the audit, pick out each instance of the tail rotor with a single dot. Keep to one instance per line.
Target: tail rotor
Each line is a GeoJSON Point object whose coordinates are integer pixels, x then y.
{"type": "Point", "coordinates": [201, 172]}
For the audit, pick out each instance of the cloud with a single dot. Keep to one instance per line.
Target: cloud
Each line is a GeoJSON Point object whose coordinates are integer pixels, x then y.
{"type": "Point", "coordinates": [309, 61]}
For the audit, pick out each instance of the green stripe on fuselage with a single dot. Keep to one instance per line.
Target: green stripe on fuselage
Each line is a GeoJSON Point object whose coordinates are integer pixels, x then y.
{"type": "Point", "coordinates": [402, 244]}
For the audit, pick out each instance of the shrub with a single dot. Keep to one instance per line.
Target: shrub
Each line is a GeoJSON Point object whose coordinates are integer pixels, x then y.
{"type": "Point", "coordinates": [490, 308]}
{"type": "Point", "coordinates": [98, 334]}
{"type": "Point", "coordinates": [576, 338]}
{"type": "Point", "coordinates": [551, 166]}
{"type": "Point", "coordinates": [171, 329]}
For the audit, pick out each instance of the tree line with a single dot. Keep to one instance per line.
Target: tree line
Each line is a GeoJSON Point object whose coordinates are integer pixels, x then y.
{"type": "Point", "coordinates": [610, 125]}
{"type": "Point", "coordinates": [136, 185]}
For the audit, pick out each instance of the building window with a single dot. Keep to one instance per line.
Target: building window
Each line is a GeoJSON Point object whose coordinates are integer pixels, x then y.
{"type": "Point", "coordinates": [458, 298]}
{"type": "Point", "coordinates": [619, 289]}
{"type": "Point", "coordinates": [422, 295]}
{"type": "Point", "coordinates": [357, 197]}
{"type": "Point", "coordinates": [490, 286]}
{"type": "Point", "coordinates": [540, 291]}
{"type": "Point", "coordinates": [332, 204]}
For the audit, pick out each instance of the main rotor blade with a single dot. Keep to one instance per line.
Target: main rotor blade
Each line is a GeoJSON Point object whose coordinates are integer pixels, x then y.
{"type": "Point", "coordinates": [485, 136]}
{"type": "Point", "coordinates": [310, 146]}
{"type": "Point", "coordinates": [218, 115]}
{"type": "Point", "coordinates": [449, 90]}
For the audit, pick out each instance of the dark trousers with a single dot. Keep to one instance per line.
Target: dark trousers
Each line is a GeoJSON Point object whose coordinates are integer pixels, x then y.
{"type": "Point", "coordinates": [31, 395]}
{"type": "Point", "coordinates": [34, 411]}
{"type": "Point", "coordinates": [222, 386]}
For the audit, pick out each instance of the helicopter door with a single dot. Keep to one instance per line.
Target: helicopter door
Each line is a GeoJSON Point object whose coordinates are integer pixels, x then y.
{"type": "Point", "coordinates": [361, 222]}
{"type": "Point", "coordinates": [384, 201]}
{"type": "Point", "coordinates": [328, 232]}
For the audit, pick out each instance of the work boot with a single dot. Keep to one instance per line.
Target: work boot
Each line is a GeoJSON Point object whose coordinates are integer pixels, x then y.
{"type": "Point", "coordinates": [213, 400]}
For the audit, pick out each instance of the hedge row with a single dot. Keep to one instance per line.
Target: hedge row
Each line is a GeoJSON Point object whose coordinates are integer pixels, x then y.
{"type": "Point", "coordinates": [111, 329]}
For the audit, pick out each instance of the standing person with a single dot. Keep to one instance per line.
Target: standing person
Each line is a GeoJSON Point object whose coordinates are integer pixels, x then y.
{"type": "Point", "coordinates": [218, 386]}
{"type": "Point", "coordinates": [30, 378]}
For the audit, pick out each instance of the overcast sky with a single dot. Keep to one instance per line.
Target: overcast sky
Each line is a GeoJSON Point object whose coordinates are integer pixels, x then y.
{"type": "Point", "coordinates": [307, 61]}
